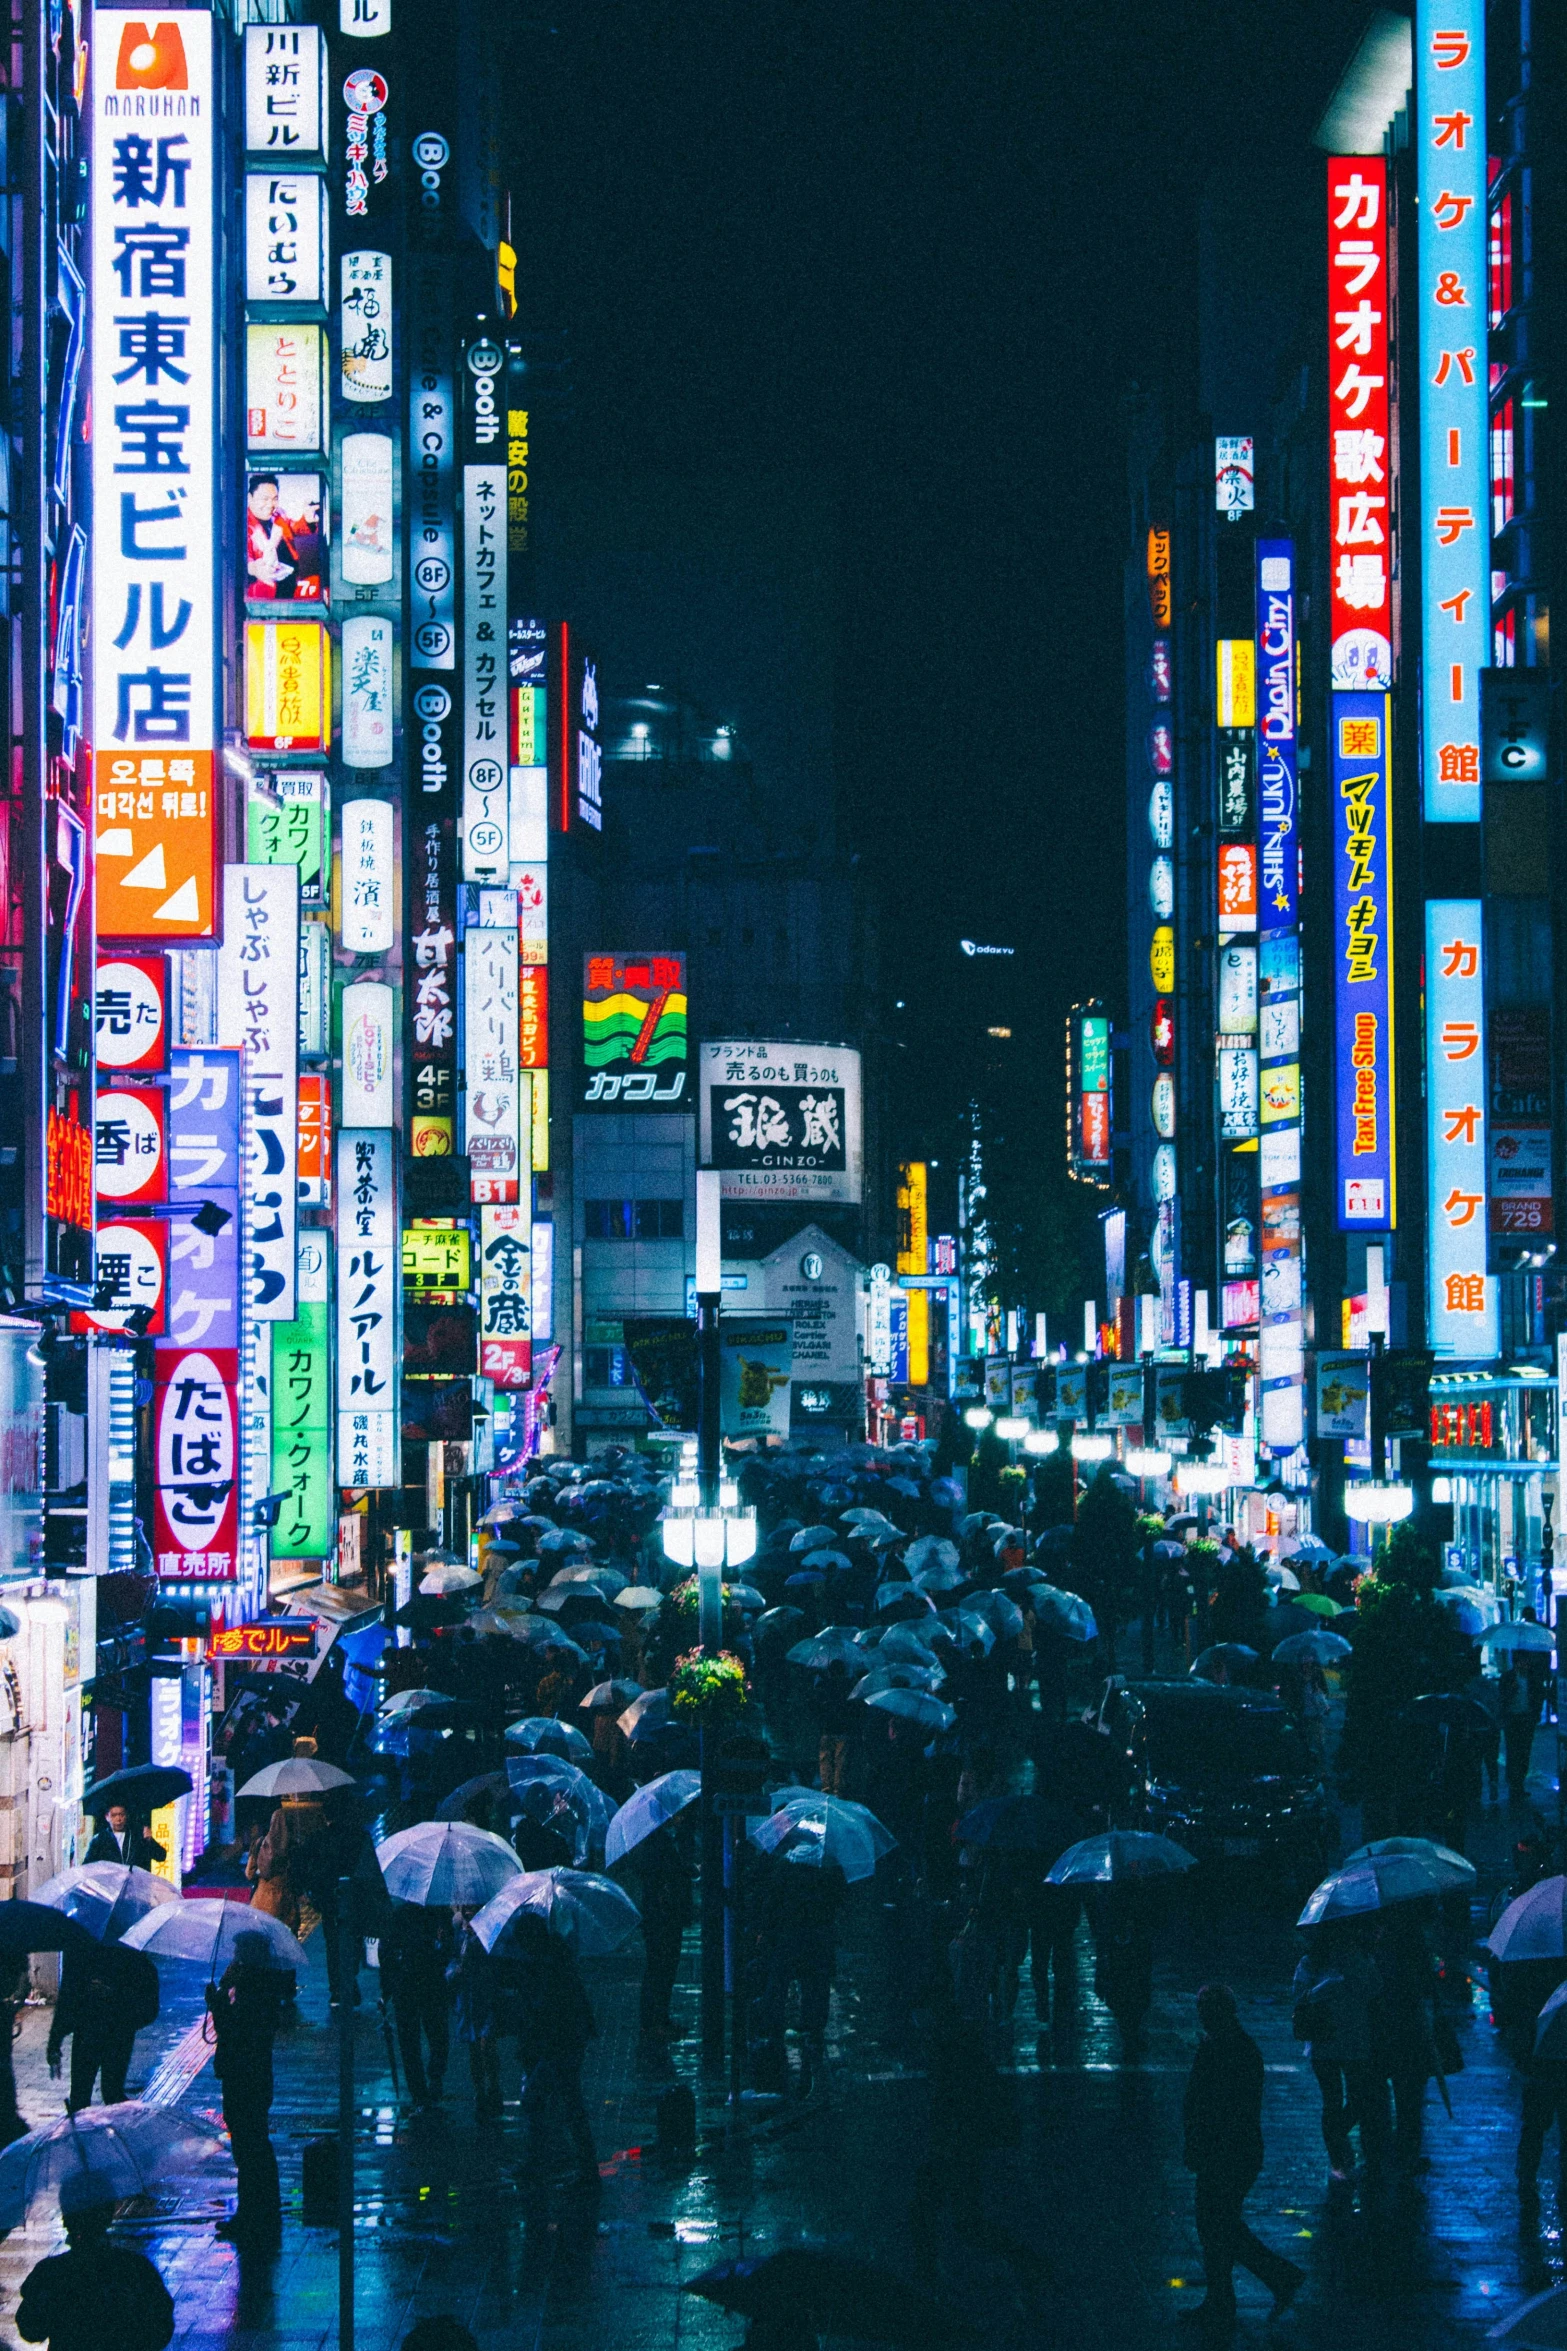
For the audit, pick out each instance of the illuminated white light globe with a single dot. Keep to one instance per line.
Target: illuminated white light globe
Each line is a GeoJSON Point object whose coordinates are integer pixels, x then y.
{"type": "Point", "coordinates": [1040, 1441]}
{"type": "Point", "coordinates": [1441, 1489]}
{"type": "Point", "coordinates": [679, 1541]}
{"type": "Point", "coordinates": [978, 1417]}
{"type": "Point", "coordinates": [1378, 1505]}
{"type": "Point", "coordinates": [708, 1534]}
{"type": "Point", "coordinates": [1148, 1461]}
{"type": "Point", "coordinates": [1090, 1447]}
{"type": "Point", "coordinates": [1013, 1428]}
{"type": "Point", "coordinates": [740, 1537]}
{"type": "Point", "coordinates": [1201, 1477]}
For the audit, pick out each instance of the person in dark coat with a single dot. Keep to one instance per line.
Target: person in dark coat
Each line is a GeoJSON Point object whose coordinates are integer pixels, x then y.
{"type": "Point", "coordinates": [1404, 2025]}
{"type": "Point", "coordinates": [664, 1898]}
{"type": "Point", "coordinates": [472, 1974]}
{"type": "Point", "coordinates": [115, 1839]}
{"type": "Point", "coordinates": [1121, 1920]}
{"type": "Point", "coordinates": [13, 1992]}
{"type": "Point", "coordinates": [416, 1948]}
{"type": "Point", "coordinates": [1223, 2126]}
{"type": "Point", "coordinates": [245, 2007]}
{"type": "Point", "coordinates": [556, 2023]}
{"type": "Point", "coordinates": [94, 2294]}
{"type": "Point", "coordinates": [105, 1996]}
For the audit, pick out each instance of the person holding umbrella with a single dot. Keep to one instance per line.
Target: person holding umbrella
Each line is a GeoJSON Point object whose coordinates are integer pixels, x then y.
{"type": "Point", "coordinates": [245, 2006]}
{"type": "Point", "coordinates": [415, 1950]}
{"type": "Point", "coordinates": [557, 2023]}
{"type": "Point", "coordinates": [115, 1839]}
{"type": "Point", "coordinates": [1222, 2115]}
{"type": "Point", "coordinates": [106, 1995]}
{"type": "Point", "coordinates": [94, 2292]}
{"type": "Point", "coordinates": [471, 1974]}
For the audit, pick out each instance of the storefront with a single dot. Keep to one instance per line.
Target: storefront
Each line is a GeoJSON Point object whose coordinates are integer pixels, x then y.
{"type": "Point", "coordinates": [1494, 1457]}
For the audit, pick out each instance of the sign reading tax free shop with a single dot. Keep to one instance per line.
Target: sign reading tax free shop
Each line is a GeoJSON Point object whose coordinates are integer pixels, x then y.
{"type": "Point", "coordinates": [154, 435]}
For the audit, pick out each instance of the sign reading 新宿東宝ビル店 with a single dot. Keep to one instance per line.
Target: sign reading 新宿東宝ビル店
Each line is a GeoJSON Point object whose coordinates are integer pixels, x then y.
{"type": "Point", "coordinates": [782, 1121]}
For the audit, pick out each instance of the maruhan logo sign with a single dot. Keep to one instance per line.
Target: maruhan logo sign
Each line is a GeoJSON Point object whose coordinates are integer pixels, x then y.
{"type": "Point", "coordinates": [973, 947]}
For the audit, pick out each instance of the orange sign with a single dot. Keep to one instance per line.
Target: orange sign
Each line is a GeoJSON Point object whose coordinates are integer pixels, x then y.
{"type": "Point", "coordinates": [1237, 886]}
{"type": "Point", "coordinates": [156, 845]}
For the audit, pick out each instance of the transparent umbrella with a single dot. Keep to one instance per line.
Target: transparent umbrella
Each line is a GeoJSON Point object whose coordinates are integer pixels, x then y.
{"type": "Point", "coordinates": [1117, 1856]}
{"type": "Point", "coordinates": [1313, 1649]}
{"type": "Point", "coordinates": [296, 1775]}
{"type": "Point", "coordinates": [831, 1830]}
{"type": "Point", "coordinates": [1064, 1612]}
{"type": "Point", "coordinates": [1456, 1872]}
{"type": "Point", "coordinates": [591, 1913]}
{"type": "Point", "coordinates": [122, 2151]}
{"type": "Point", "coordinates": [1522, 1635]}
{"type": "Point", "coordinates": [440, 1863]}
{"type": "Point", "coordinates": [105, 1897]}
{"type": "Point", "coordinates": [541, 1734]}
{"type": "Point", "coordinates": [555, 1794]}
{"type": "Point", "coordinates": [440, 1583]}
{"type": "Point", "coordinates": [916, 1706]}
{"type": "Point", "coordinates": [836, 1644]}
{"type": "Point", "coordinates": [204, 1934]}
{"type": "Point", "coordinates": [1374, 1882]}
{"type": "Point", "coordinates": [648, 1810]}
{"type": "Point", "coordinates": [1533, 1927]}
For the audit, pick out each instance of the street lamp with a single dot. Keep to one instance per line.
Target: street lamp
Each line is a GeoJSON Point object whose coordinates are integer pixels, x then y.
{"type": "Point", "coordinates": [979, 1416]}
{"type": "Point", "coordinates": [1148, 1461]}
{"type": "Point", "coordinates": [1091, 1445]}
{"type": "Point", "coordinates": [1041, 1441]}
{"type": "Point", "coordinates": [1012, 1428]}
{"type": "Point", "coordinates": [1378, 1501]}
{"type": "Point", "coordinates": [1201, 1478]}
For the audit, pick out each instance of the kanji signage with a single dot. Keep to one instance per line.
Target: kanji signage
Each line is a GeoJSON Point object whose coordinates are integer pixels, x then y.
{"type": "Point", "coordinates": [265, 1637]}
{"type": "Point", "coordinates": [130, 1154]}
{"type": "Point", "coordinates": [155, 546]}
{"type": "Point", "coordinates": [367, 690]}
{"type": "Point", "coordinates": [430, 987]}
{"type": "Point", "coordinates": [1462, 1309]}
{"type": "Point", "coordinates": [493, 1126]}
{"type": "Point", "coordinates": [368, 1288]}
{"type": "Point", "coordinates": [505, 1297]}
{"type": "Point", "coordinates": [1234, 476]}
{"type": "Point", "coordinates": [1359, 464]}
{"type": "Point", "coordinates": [196, 1451]}
{"type": "Point", "coordinates": [1278, 843]}
{"type": "Point", "coordinates": [258, 1011]}
{"type": "Point", "coordinates": [368, 879]}
{"type": "Point", "coordinates": [634, 1044]}
{"type": "Point", "coordinates": [365, 364]}
{"type": "Point", "coordinates": [285, 389]}
{"type": "Point", "coordinates": [132, 1277]}
{"type": "Point", "coordinates": [302, 1413]}
{"type": "Point", "coordinates": [534, 1029]}
{"type": "Point", "coordinates": [782, 1121]}
{"type": "Point", "coordinates": [1363, 963]}
{"type": "Point", "coordinates": [486, 833]}
{"type": "Point", "coordinates": [436, 1257]}
{"type": "Point", "coordinates": [130, 1012]}
{"type": "Point", "coordinates": [287, 823]}
{"type": "Point", "coordinates": [288, 690]}
{"type": "Point", "coordinates": [285, 113]}
{"type": "Point", "coordinates": [1455, 537]}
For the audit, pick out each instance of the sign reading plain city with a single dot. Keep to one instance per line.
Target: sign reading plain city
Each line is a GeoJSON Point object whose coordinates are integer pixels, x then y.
{"type": "Point", "coordinates": [155, 545]}
{"type": "Point", "coordinates": [782, 1121]}
{"type": "Point", "coordinates": [1455, 536]}
{"type": "Point", "coordinates": [1363, 963]}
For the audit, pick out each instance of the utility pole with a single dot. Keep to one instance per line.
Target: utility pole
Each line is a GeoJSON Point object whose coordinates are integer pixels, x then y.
{"type": "Point", "coordinates": [710, 1593]}
{"type": "Point", "coordinates": [345, 2115]}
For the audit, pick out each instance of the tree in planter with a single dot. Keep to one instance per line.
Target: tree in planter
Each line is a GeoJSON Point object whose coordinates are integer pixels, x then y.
{"type": "Point", "coordinates": [1406, 1645]}
{"type": "Point", "coordinates": [709, 1691]}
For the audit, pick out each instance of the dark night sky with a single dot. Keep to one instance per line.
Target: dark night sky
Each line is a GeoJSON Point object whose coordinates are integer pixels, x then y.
{"type": "Point", "coordinates": [868, 280]}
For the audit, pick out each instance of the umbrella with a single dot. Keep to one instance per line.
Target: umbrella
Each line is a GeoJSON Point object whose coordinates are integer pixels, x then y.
{"type": "Point", "coordinates": [941, 1579]}
{"type": "Point", "coordinates": [607, 1580]}
{"type": "Point", "coordinates": [1534, 1926]}
{"type": "Point", "coordinates": [1550, 2032]}
{"type": "Point", "coordinates": [965, 1626]}
{"type": "Point", "coordinates": [1017, 1824]}
{"type": "Point", "coordinates": [204, 1934]}
{"type": "Point", "coordinates": [746, 1598]}
{"type": "Point", "coordinates": [104, 1897]}
{"type": "Point", "coordinates": [143, 1788]}
{"type": "Point", "coordinates": [1310, 1547]}
{"type": "Point", "coordinates": [864, 1517]}
{"type": "Point", "coordinates": [1317, 1602]}
{"type": "Point", "coordinates": [638, 1596]}
{"type": "Point", "coordinates": [1519, 1636]}
{"type": "Point", "coordinates": [776, 1621]}
{"type": "Point", "coordinates": [1117, 1856]}
{"type": "Point", "coordinates": [39, 1926]}
{"type": "Point", "coordinates": [405, 1702]}
{"type": "Point", "coordinates": [896, 1677]}
{"type": "Point", "coordinates": [1374, 1882]}
{"type": "Point", "coordinates": [426, 1613]}
{"type": "Point", "coordinates": [440, 1583]}
{"type": "Point", "coordinates": [542, 1632]}
{"type": "Point", "coordinates": [493, 1784]}
{"type": "Point", "coordinates": [811, 2291]}
{"type": "Point", "coordinates": [1002, 1614]}
{"type": "Point", "coordinates": [1453, 1869]}
{"type": "Point", "coordinates": [908, 1644]}
{"type": "Point", "coordinates": [541, 1734]}
{"type": "Point", "coordinates": [1467, 1607]}
{"type": "Point", "coordinates": [930, 1551]}
{"type": "Point", "coordinates": [1312, 1649]}
{"type": "Point", "coordinates": [836, 1645]}
{"type": "Point", "coordinates": [648, 1810]}
{"type": "Point", "coordinates": [828, 1562]}
{"type": "Point", "coordinates": [1283, 1580]}
{"type": "Point", "coordinates": [1224, 1657]}
{"type": "Point", "coordinates": [610, 1697]}
{"type": "Point", "coordinates": [641, 1706]}
{"type": "Point", "coordinates": [124, 2151]}
{"type": "Point", "coordinates": [1446, 1710]}
{"type": "Point", "coordinates": [914, 1706]}
{"type": "Point", "coordinates": [297, 1775]}
{"type": "Point", "coordinates": [591, 1913]}
{"type": "Point", "coordinates": [831, 1829]}
{"type": "Point", "coordinates": [561, 1539]}
{"type": "Point", "coordinates": [1064, 1612]}
{"type": "Point", "coordinates": [558, 1797]}
{"type": "Point", "coordinates": [1537, 2325]}
{"type": "Point", "coordinates": [811, 1539]}
{"type": "Point", "coordinates": [440, 1863]}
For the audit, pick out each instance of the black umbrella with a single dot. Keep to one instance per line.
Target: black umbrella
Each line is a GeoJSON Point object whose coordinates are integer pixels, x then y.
{"type": "Point", "coordinates": [142, 1788]}
{"type": "Point", "coordinates": [426, 1612]}
{"type": "Point", "coordinates": [33, 1926]}
{"type": "Point", "coordinates": [824, 2293]}
{"type": "Point", "coordinates": [447, 1714]}
{"type": "Point", "coordinates": [494, 1784]}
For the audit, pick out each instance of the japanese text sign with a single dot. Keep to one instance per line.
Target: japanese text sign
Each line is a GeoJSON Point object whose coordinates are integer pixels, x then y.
{"type": "Point", "coordinates": [302, 1413]}
{"type": "Point", "coordinates": [258, 1011]}
{"type": "Point", "coordinates": [284, 78]}
{"type": "Point", "coordinates": [196, 1521]}
{"type": "Point", "coordinates": [369, 1283]}
{"type": "Point", "coordinates": [1363, 963]}
{"type": "Point", "coordinates": [1462, 1316]}
{"type": "Point", "coordinates": [486, 778]}
{"type": "Point", "coordinates": [155, 540]}
{"type": "Point", "coordinates": [130, 1012]}
{"type": "Point", "coordinates": [634, 1048]}
{"type": "Point", "coordinates": [782, 1121]}
{"type": "Point", "coordinates": [505, 1297]}
{"type": "Point", "coordinates": [1359, 464]}
{"type": "Point", "coordinates": [1455, 550]}
{"type": "Point", "coordinates": [490, 1052]}
{"type": "Point", "coordinates": [1278, 848]}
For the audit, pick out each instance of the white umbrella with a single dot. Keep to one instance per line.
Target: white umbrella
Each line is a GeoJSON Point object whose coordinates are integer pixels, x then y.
{"type": "Point", "coordinates": [105, 1897]}
{"type": "Point", "coordinates": [1534, 1926]}
{"type": "Point", "coordinates": [1375, 1881]}
{"type": "Point", "coordinates": [441, 1582]}
{"type": "Point", "coordinates": [122, 2151]}
{"type": "Point", "coordinates": [608, 1580]}
{"type": "Point", "coordinates": [660, 1801]}
{"type": "Point", "coordinates": [441, 1863]}
{"type": "Point", "coordinates": [1283, 1579]}
{"type": "Point", "coordinates": [1450, 1866]}
{"type": "Point", "coordinates": [639, 1707]}
{"type": "Point", "coordinates": [204, 1932]}
{"type": "Point", "coordinates": [296, 1775]}
{"type": "Point", "coordinates": [589, 1912]}
{"type": "Point", "coordinates": [1519, 1635]}
{"type": "Point", "coordinates": [403, 1702]}
{"type": "Point", "coordinates": [638, 1596]}
{"type": "Point", "coordinates": [836, 1644]}
{"type": "Point", "coordinates": [541, 1734]}
{"type": "Point", "coordinates": [1312, 1649]}
{"type": "Point", "coordinates": [917, 1706]}
{"type": "Point", "coordinates": [1117, 1856]}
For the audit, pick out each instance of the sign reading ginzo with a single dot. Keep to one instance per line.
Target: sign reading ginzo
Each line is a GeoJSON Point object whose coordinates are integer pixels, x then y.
{"type": "Point", "coordinates": [782, 1121]}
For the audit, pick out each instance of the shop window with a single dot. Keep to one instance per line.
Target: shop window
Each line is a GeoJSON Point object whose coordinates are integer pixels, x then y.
{"type": "Point", "coordinates": [1501, 468]}
{"type": "Point", "coordinates": [634, 1220]}
{"type": "Point", "coordinates": [1501, 259]}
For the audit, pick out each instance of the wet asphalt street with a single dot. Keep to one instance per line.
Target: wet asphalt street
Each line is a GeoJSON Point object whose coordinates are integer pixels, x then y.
{"type": "Point", "coordinates": [1079, 2230]}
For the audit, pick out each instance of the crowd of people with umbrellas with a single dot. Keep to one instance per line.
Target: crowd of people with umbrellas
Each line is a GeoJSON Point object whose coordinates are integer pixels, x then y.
{"type": "Point", "coordinates": [917, 1675]}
